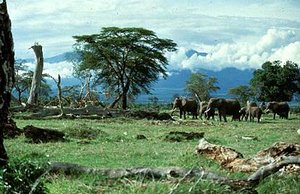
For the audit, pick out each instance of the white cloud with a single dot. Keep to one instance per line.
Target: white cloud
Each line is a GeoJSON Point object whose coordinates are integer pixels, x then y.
{"type": "Point", "coordinates": [273, 39]}
{"type": "Point", "coordinates": [65, 69]}
{"type": "Point", "coordinates": [243, 34]}
{"type": "Point", "coordinates": [52, 23]}
{"type": "Point", "coordinates": [290, 52]}
{"type": "Point", "coordinates": [276, 44]}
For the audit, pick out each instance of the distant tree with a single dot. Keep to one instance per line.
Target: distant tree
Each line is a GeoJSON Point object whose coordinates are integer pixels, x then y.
{"type": "Point", "coordinates": [127, 60]}
{"type": "Point", "coordinates": [243, 93]}
{"type": "Point", "coordinates": [23, 78]}
{"type": "Point", "coordinates": [201, 85]}
{"type": "Point", "coordinates": [276, 81]}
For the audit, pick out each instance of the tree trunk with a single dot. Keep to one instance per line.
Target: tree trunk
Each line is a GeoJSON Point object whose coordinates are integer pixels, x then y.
{"type": "Point", "coordinates": [124, 101]}
{"type": "Point", "coordinates": [37, 76]}
{"type": "Point", "coordinates": [6, 73]}
{"type": "Point", "coordinates": [20, 97]}
{"type": "Point", "coordinates": [62, 113]}
{"type": "Point", "coordinates": [125, 90]}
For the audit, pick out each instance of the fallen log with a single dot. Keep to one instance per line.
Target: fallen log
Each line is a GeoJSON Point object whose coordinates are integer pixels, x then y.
{"type": "Point", "coordinates": [233, 160]}
{"type": "Point", "coordinates": [249, 184]}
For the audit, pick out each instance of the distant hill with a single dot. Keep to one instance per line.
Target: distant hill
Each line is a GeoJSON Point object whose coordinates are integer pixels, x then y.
{"type": "Point", "coordinates": [55, 59]}
{"type": "Point", "coordinates": [175, 83]}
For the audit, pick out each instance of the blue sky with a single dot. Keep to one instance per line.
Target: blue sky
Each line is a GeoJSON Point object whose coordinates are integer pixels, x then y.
{"type": "Point", "coordinates": [242, 34]}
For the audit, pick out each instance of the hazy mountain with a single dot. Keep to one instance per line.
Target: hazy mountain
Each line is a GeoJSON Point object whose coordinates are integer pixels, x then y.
{"type": "Point", "coordinates": [227, 78]}
{"type": "Point", "coordinates": [55, 59]}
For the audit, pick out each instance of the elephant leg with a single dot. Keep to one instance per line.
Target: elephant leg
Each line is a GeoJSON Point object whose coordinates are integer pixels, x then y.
{"type": "Point", "coordinates": [180, 114]}
{"type": "Point", "coordinates": [224, 117]}
{"type": "Point", "coordinates": [274, 115]}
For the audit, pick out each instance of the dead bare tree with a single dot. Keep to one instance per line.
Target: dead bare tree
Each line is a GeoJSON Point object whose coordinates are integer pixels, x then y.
{"type": "Point", "coordinates": [37, 76]}
{"type": "Point", "coordinates": [59, 94]}
{"type": "Point", "coordinates": [6, 73]}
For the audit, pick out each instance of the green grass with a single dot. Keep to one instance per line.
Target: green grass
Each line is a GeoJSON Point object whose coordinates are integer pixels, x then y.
{"type": "Point", "coordinates": [112, 143]}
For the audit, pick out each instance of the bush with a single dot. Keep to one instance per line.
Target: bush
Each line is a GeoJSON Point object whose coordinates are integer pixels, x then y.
{"type": "Point", "coordinates": [83, 131]}
{"type": "Point", "coordinates": [19, 177]}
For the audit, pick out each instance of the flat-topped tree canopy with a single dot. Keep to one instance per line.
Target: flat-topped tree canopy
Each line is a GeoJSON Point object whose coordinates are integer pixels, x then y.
{"type": "Point", "coordinates": [127, 60]}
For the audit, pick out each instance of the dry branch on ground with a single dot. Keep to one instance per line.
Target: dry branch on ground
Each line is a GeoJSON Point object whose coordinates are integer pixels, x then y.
{"type": "Point", "coordinates": [233, 160]}
{"type": "Point", "coordinates": [248, 184]}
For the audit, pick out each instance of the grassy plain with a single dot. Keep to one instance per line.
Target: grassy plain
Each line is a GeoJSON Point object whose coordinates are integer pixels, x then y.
{"type": "Point", "coordinates": [112, 143]}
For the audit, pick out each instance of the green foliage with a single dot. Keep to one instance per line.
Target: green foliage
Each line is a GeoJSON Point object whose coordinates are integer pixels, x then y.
{"type": "Point", "coordinates": [243, 93]}
{"type": "Point", "coordinates": [199, 84]}
{"type": "Point", "coordinates": [19, 176]}
{"type": "Point", "coordinates": [125, 60]}
{"type": "Point", "coordinates": [276, 81]}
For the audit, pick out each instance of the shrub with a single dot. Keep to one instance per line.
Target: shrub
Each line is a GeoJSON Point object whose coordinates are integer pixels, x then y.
{"type": "Point", "coordinates": [83, 131]}
{"type": "Point", "coordinates": [19, 177]}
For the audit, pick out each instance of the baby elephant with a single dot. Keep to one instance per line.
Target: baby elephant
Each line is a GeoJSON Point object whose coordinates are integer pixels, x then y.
{"type": "Point", "coordinates": [255, 112]}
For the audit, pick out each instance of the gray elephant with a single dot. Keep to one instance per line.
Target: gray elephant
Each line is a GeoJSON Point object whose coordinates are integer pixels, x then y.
{"type": "Point", "coordinates": [250, 104]}
{"type": "Point", "coordinates": [255, 112]}
{"type": "Point", "coordinates": [225, 107]}
{"type": "Point", "coordinates": [242, 112]}
{"type": "Point", "coordinates": [203, 106]}
{"type": "Point", "coordinates": [208, 114]}
{"type": "Point", "coordinates": [280, 108]}
{"type": "Point", "coordinates": [186, 105]}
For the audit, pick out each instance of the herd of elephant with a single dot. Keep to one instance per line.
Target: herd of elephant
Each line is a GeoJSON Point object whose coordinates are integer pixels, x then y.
{"type": "Point", "coordinates": [229, 107]}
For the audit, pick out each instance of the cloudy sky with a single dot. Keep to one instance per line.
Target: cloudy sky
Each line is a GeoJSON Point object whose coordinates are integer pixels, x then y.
{"type": "Point", "coordinates": [234, 33]}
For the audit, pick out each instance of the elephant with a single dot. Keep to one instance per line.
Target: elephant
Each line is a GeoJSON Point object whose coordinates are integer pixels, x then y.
{"type": "Point", "coordinates": [250, 104]}
{"type": "Point", "coordinates": [255, 111]}
{"type": "Point", "coordinates": [280, 108]}
{"type": "Point", "coordinates": [243, 112]}
{"type": "Point", "coordinates": [203, 106]}
{"type": "Point", "coordinates": [208, 114]}
{"type": "Point", "coordinates": [186, 105]}
{"type": "Point", "coordinates": [225, 107]}
{"type": "Point", "coordinates": [263, 106]}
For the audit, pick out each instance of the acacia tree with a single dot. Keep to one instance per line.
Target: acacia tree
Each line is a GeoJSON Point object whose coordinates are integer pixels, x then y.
{"type": "Point", "coordinates": [276, 81]}
{"type": "Point", "coordinates": [201, 86]}
{"type": "Point", "coordinates": [128, 60]}
{"type": "Point", "coordinates": [6, 73]}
